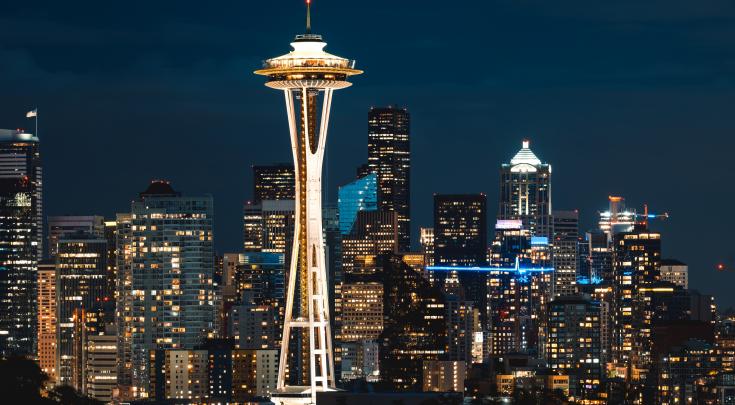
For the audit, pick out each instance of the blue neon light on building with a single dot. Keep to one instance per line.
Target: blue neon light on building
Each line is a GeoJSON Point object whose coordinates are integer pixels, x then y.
{"type": "Point", "coordinates": [360, 195]}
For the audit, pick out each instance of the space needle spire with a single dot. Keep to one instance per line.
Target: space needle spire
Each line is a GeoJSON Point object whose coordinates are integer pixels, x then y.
{"type": "Point", "coordinates": [308, 77]}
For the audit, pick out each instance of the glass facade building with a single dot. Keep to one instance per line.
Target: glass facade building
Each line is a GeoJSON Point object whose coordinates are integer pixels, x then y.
{"type": "Point", "coordinates": [21, 240]}
{"type": "Point", "coordinates": [359, 195]}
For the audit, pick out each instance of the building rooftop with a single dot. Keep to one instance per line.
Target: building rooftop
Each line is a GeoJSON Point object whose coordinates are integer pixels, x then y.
{"type": "Point", "coordinates": [16, 135]}
{"type": "Point", "coordinates": [160, 188]}
{"type": "Point", "coordinates": [525, 156]}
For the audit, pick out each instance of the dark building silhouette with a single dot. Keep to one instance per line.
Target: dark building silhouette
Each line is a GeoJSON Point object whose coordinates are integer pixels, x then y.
{"type": "Point", "coordinates": [389, 156]}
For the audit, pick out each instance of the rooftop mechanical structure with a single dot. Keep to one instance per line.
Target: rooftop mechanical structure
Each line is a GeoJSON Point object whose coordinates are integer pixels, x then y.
{"type": "Point", "coordinates": [307, 76]}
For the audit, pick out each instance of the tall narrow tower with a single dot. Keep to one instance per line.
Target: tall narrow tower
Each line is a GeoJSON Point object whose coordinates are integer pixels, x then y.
{"type": "Point", "coordinates": [305, 74]}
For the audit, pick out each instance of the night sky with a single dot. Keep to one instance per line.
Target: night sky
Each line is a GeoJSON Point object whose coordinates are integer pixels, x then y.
{"type": "Point", "coordinates": [625, 97]}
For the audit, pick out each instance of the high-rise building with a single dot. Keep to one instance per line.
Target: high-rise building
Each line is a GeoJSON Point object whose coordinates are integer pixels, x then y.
{"type": "Point", "coordinates": [166, 292]}
{"type": "Point", "coordinates": [269, 226]}
{"type": "Point", "coordinates": [460, 230]}
{"type": "Point", "coordinates": [389, 156]}
{"type": "Point", "coordinates": [47, 318]}
{"type": "Point", "coordinates": [675, 272]}
{"type": "Point", "coordinates": [414, 326]}
{"type": "Point", "coordinates": [444, 376]}
{"type": "Point", "coordinates": [359, 195]}
{"type": "Point", "coordinates": [59, 226]}
{"type": "Point", "coordinates": [373, 233]}
{"type": "Point", "coordinates": [564, 252]}
{"type": "Point", "coordinates": [21, 240]}
{"type": "Point", "coordinates": [100, 362]}
{"type": "Point", "coordinates": [273, 182]}
{"type": "Point", "coordinates": [81, 285]}
{"type": "Point", "coordinates": [426, 240]}
{"type": "Point", "coordinates": [525, 192]}
{"type": "Point", "coordinates": [636, 263]}
{"type": "Point", "coordinates": [600, 256]}
{"type": "Point", "coordinates": [303, 75]}
{"type": "Point", "coordinates": [574, 345]}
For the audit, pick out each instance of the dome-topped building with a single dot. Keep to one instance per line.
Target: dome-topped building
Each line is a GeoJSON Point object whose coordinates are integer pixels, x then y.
{"type": "Point", "coordinates": [525, 191]}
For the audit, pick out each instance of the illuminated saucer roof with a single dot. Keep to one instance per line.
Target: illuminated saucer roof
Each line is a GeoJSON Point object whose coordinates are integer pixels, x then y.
{"type": "Point", "coordinates": [307, 57]}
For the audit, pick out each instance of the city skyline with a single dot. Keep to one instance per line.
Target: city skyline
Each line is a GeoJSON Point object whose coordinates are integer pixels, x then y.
{"type": "Point", "coordinates": [582, 113]}
{"type": "Point", "coordinates": [237, 277]}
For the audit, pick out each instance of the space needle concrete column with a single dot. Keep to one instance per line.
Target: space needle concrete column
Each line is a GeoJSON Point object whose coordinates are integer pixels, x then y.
{"type": "Point", "coordinates": [307, 76]}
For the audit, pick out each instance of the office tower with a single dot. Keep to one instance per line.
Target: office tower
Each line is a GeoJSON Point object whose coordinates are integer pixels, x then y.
{"type": "Point", "coordinates": [359, 195]}
{"type": "Point", "coordinates": [170, 236]}
{"type": "Point", "coordinates": [254, 374]}
{"type": "Point", "coordinates": [260, 279]}
{"type": "Point", "coordinates": [414, 325]}
{"type": "Point", "coordinates": [600, 259]}
{"type": "Point", "coordinates": [47, 318]}
{"type": "Point", "coordinates": [373, 233]}
{"type": "Point", "coordinates": [360, 360]}
{"type": "Point", "coordinates": [444, 376]}
{"type": "Point", "coordinates": [574, 346]}
{"type": "Point", "coordinates": [273, 182]}
{"type": "Point", "coordinates": [81, 285]}
{"type": "Point", "coordinates": [426, 240]}
{"type": "Point", "coordinates": [59, 226]}
{"type": "Point", "coordinates": [565, 255]}
{"type": "Point", "coordinates": [517, 298]}
{"type": "Point", "coordinates": [362, 311]}
{"type": "Point", "coordinates": [110, 235]}
{"type": "Point", "coordinates": [21, 240]}
{"type": "Point", "coordinates": [389, 156]}
{"type": "Point", "coordinates": [255, 326]}
{"type": "Point", "coordinates": [179, 374]}
{"type": "Point", "coordinates": [269, 226]}
{"type": "Point", "coordinates": [101, 364]}
{"type": "Point", "coordinates": [460, 230]}
{"type": "Point", "coordinates": [525, 192]}
{"type": "Point", "coordinates": [460, 239]}
{"type": "Point", "coordinates": [460, 327]}
{"type": "Point", "coordinates": [675, 272]}
{"type": "Point", "coordinates": [636, 261]}
{"type": "Point", "coordinates": [686, 372]}
{"type": "Point", "coordinates": [214, 372]}
{"type": "Point", "coordinates": [304, 74]}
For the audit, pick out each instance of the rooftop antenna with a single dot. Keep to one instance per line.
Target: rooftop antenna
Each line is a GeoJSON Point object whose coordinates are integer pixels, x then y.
{"type": "Point", "coordinates": [308, 16]}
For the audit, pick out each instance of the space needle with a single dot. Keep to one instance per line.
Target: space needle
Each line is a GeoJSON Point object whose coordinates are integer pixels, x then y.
{"type": "Point", "coordinates": [307, 76]}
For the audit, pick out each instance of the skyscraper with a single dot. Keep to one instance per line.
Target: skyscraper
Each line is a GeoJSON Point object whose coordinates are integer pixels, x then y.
{"type": "Point", "coordinates": [47, 318]}
{"type": "Point", "coordinates": [166, 293]}
{"type": "Point", "coordinates": [460, 239]}
{"type": "Point", "coordinates": [460, 230]}
{"type": "Point", "coordinates": [269, 226]}
{"type": "Point", "coordinates": [81, 285]}
{"type": "Point", "coordinates": [565, 252]}
{"type": "Point", "coordinates": [373, 232]}
{"type": "Point", "coordinates": [574, 343]}
{"type": "Point", "coordinates": [389, 156]}
{"type": "Point", "coordinates": [58, 226]}
{"type": "Point", "coordinates": [675, 272]}
{"type": "Point", "coordinates": [636, 263]}
{"type": "Point", "coordinates": [359, 195]}
{"type": "Point", "coordinates": [302, 75]}
{"type": "Point", "coordinates": [21, 240]}
{"type": "Point", "coordinates": [273, 182]}
{"type": "Point", "coordinates": [525, 192]}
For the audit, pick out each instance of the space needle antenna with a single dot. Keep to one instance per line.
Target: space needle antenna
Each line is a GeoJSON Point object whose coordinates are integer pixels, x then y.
{"type": "Point", "coordinates": [308, 16]}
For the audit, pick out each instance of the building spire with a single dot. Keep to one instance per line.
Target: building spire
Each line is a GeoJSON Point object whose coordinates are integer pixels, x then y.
{"type": "Point", "coordinates": [308, 16]}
